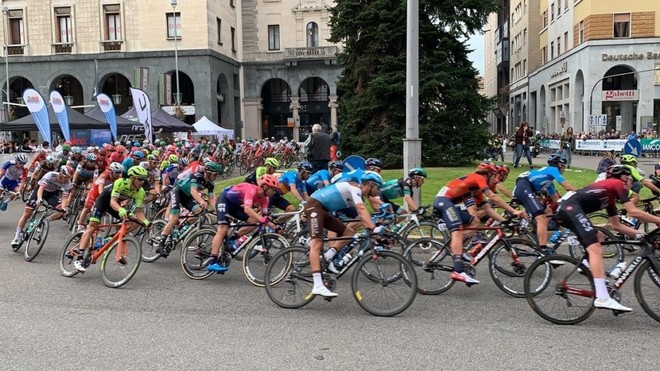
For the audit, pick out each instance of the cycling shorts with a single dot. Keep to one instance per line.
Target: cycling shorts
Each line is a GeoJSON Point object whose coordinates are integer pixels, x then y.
{"type": "Point", "coordinates": [52, 198]}
{"type": "Point", "coordinates": [180, 199]}
{"type": "Point", "coordinates": [9, 184]}
{"type": "Point", "coordinates": [319, 219]}
{"type": "Point", "coordinates": [453, 216]}
{"type": "Point", "coordinates": [278, 201]}
{"type": "Point", "coordinates": [573, 217]}
{"type": "Point", "coordinates": [224, 208]}
{"type": "Point", "coordinates": [524, 192]}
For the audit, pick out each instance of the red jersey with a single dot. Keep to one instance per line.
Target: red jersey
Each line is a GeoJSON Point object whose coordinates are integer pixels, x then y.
{"type": "Point", "coordinates": [245, 194]}
{"type": "Point", "coordinates": [472, 185]}
{"type": "Point", "coordinates": [598, 196]}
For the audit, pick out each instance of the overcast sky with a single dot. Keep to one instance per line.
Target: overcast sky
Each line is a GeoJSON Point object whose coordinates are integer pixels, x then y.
{"type": "Point", "coordinates": [476, 42]}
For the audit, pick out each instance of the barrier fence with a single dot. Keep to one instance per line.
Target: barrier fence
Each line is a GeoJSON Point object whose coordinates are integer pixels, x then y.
{"type": "Point", "coordinates": [595, 147]}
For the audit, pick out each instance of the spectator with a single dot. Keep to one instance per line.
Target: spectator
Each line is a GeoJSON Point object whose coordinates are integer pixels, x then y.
{"type": "Point", "coordinates": [523, 135]}
{"type": "Point", "coordinates": [567, 145]}
{"type": "Point", "coordinates": [335, 141]}
{"type": "Point", "coordinates": [605, 162]}
{"type": "Point", "coordinates": [318, 148]}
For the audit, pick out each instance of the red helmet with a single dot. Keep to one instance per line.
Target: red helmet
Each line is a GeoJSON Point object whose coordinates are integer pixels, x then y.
{"type": "Point", "coordinates": [503, 170]}
{"type": "Point", "coordinates": [269, 180]}
{"type": "Point", "coordinates": [103, 152]}
{"type": "Point", "coordinates": [111, 148]}
{"type": "Point", "coordinates": [121, 149]}
{"type": "Point", "coordinates": [488, 167]}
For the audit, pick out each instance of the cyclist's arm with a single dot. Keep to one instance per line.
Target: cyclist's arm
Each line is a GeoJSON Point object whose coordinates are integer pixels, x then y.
{"type": "Point", "coordinates": [365, 216]}
{"type": "Point", "coordinates": [649, 184]}
{"type": "Point", "coordinates": [501, 188]}
{"type": "Point", "coordinates": [197, 195]}
{"type": "Point", "coordinates": [567, 186]}
{"type": "Point", "coordinates": [296, 193]}
{"type": "Point", "coordinates": [40, 193]}
{"type": "Point", "coordinates": [499, 202]}
{"type": "Point", "coordinates": [412, 205]}
{"type": "Point", "coordinates": [492, 213]}
{"type": "Point", "coordinates": [634, 212]}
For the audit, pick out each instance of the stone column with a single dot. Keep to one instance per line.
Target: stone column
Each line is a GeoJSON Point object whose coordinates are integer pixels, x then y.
{"type": "Point", "coordinates": [333, 111]}
{"type": "Point", "coordinates": [294, 107]}
{"type": "Point", "coordinates": [253, 121]}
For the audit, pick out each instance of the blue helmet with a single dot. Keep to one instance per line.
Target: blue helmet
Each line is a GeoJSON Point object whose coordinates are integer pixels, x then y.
{"type": "Point", "coordinates": [138, 154]}
{"type": "Point", "coordinates": [556, 159]}
{"type": "Point", "coordinates": [306, 166]}
{"type": "Point", "coordinates": [373, 176]}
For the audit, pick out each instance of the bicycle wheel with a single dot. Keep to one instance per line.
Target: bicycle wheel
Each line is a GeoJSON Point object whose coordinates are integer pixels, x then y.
{"type": "Point", "coordinates": [288, 278]}
{"type": "Point", "coordinates": [119, 265]}
{"type": "Point", "coordinates": [196, 254]}
{"type": "Point", "coordinates": [599, 219]}
{"type": "Point", "coordinates": [27, 190]}
{"type": "Point", "coordinates": [432, 276]}
{"type": "Point", "coordinates": [425, 229]}
{"type": "Point", "coordinates": [508, 272]}
{"type": "Point", "coordinates": [559, 292]}
{"type": "Point", "coordinates": [385, 296]}
{"type": "Point", "coordinates": [36, 240]}
{"type": "Point", "coordinates": [647, 289]}
{"type": "Point", "coordinates": [613, 250]}
{"type": "Point", "coordinates": [68, 255]}
{"type": "Point", "coordinates": [149, 241]}
{"type": "Point", "coordinates": [259, 251]}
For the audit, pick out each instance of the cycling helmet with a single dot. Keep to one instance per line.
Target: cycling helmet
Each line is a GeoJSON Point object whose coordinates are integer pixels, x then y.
{"type": "Point", "coordinates": [213, 167]}
{"type": "Point", "coordinates": [272, 162]}
{"type": "Point", "coordinates": [373, 176]}
{"type": "Point", "coordinates": [373, 162]}
{"type": "Point", "coordinates": [336, 165]}
{"type": "Point", "coordinates": [173, 158]}
{"type": "Point", "coordinates": [151, 158]}
{"type": "Point", "coordinates": [487, 167]}
{"type": "Point", "coordinates": [121, 149]}
{"type": "Point", "coordinates": [90, 157]}
{"type": "Point", "coordinates": [306, 166]}
{"type": "Point", "coordinates": [50, 159]}
{"type": "Point", "coordinates": [21, 158]}
{"type": "Point", "coordinates": [162, 143]}
{"type": "Point", "coordinates": [418, 171]}
{"type": "Point", "coordinates": [144, 164]}
{"type": "Point", "coordinates": [91, 149]}
{"type": "Point", "coordinates": [103, 152]}
{"type": "Point", "coordinates": [137, 144]}
{"type": "Point", "coordinates": [138, 172]}
{"type": "Point", "coordinates": [503, 170]}
{"type": "Point", "coordinates": [66, 147]}
{"type": "Point", "coordinates": [155, 152]}
{"type": "Point", "coordinates": [116, 167]}
{"type": "Point", "coordinates": [111, 148]}
{"type": "Point", "coordinates": [170, 148]}
{"type": "Point", "coordinates": [618, 170]}
{"type": "Point", "coordinates": [556, 159]}
{"type": "Point", "coordinates": [138, 154]}
{"type": "Point", "coordinates": [77, 150]}
{"type": "Point", "coordinates": [66, 170]}
{"type": "Point", "coordinates": [629, 159]}
{"type": "Point", "coordinates": [269, 180]}
{"type": "Point", "coordinates": [183, 161]}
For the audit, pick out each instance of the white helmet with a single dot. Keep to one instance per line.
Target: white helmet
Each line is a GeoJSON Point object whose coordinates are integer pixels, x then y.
{"type": "Point", "coordinates": [116, 167]}
{"type": "Point", "coordinates": [145, 164]}
{"type": "Point", "coordinates": [21, 158]}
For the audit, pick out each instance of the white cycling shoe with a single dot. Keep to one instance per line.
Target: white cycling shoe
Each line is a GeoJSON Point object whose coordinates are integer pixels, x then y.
{"type": "Point", "coordinates": [323, 291]}
{"type": "Point", "coordinates": [611, 304]}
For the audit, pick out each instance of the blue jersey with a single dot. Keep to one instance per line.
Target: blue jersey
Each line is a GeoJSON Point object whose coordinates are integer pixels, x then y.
{"type": "Point", "coordinates": [338, 196]}
{"type": "Point", "coordinates": [128, 163]}
{"type": "Point", "coordinates": [317, 181]}
{"type": "Point", "coordinates": [542, 179]}
{"type": "Point", "coordinates": [351, 176]}
{"type": "Point", "coordinates": [172, 172]}
{"type": "Point", "coordinates": [289, 178]}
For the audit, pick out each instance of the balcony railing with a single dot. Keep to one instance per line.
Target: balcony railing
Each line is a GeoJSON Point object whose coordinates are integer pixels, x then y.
{"type": "Point", "coordinates": [62, 48]}
{"type": "Point", "coordinates": [111, 46]}
{"type": "Point", "coordinates": [310, 53]}
{"type": "Point", "coordinates": [16, 49]}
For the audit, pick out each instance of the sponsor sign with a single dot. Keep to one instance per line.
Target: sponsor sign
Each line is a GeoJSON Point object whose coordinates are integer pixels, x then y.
{"type": "Point", "coordinates": [620, 95]}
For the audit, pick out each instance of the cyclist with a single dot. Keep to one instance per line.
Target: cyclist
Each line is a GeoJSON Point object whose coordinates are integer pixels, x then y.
{"type": "Point", "coordinates": [119, 154]}
{"type": "Point", "coordinates": [170, 174]}
{"type": "Point", "coordinates": [575, 207]}
{"type": "Point", "coordinates": [84, 174]}
{"type": "Point", "coordinates": [76, 157]}
{"type": "Point", "coordinates": [188, 193]}
{"type": "Point", "coordinates": [373, 164]}
{"type": "Point", "coordinates": [530, 183]}
{"type": "Point", "coordinates": [49, 190]}
{"type": "Point", "coordinates": [102, 160]}
{"type": "Point", "coordinates": [132, 160]}
{"type": "Point", "coordinates": [473, 185]}
{"type": "Point", "coordinates": [630, 162]}
{"type": "Point", "coordinates": [322, 178]}
{"type": "Point", "coordinates": [317, 210]}
{"type": "Point", "coordinates": [13, 172]}
{"type": "Point", "coordinates": [63, 155]}
{"type": "Point", "coordinates": [292, 181]}
{"type": "Point", "coordinates": [110, 201]}
{"type": "Point", "coordinates": [238, 201]}
{"type": "Point", "coordinates": [114, 172]}
{"type": "Point", "coordinates": [270, 166]}
{"type": "Point", "coordinates": [403, 187]}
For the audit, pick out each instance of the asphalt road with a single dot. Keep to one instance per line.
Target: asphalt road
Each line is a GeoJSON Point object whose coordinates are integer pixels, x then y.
{"type": "Point", "coordinates": [163, 320]}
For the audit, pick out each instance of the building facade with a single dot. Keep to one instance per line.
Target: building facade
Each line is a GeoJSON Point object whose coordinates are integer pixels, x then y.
{"type": "Point", "coordinates": [496, 68]}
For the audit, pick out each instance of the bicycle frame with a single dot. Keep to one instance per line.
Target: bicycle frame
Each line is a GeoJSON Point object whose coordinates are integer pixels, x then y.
{"type": "Point", "coordinates": [119, 236]}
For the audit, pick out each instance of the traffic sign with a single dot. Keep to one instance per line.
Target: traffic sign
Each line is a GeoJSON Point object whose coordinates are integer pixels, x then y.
{"type": "Point", "coordinates": [353, 162]}
{"type": "Point", "coordinates": [633, 147]}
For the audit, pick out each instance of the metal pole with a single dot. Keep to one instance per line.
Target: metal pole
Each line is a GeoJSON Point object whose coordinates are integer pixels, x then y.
{"type": "Point", "coordinates": [5, 12]}
{"type": "Point", "coordinates": [177, 97]}
{"type": "Point", "coordinates": [412, 145]}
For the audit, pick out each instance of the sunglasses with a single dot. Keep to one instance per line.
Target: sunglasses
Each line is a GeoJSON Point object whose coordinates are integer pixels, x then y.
{"type": "Point", "coordinates": [141, 179]}
{"type": "Point", "coordinates": [117, 172]}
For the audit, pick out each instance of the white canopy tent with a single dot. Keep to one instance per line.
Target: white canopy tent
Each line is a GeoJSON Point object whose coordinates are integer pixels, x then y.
{"type": "Point", "coordinates": [207, 127]}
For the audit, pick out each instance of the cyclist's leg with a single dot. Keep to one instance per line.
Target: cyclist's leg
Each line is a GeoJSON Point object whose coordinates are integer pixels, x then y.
{"type": "Point", "coordinates": [222, 207]}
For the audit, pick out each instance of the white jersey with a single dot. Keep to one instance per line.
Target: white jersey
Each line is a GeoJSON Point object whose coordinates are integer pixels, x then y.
{"type": "Point", "coordinates": [51, 184]}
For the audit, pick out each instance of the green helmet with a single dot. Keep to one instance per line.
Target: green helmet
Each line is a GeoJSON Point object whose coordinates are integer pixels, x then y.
{"type": "Point", "coordinates": [213, 167]}
{"type": "Point", "coordinates": [138, 171]}
{"type": "Point", "coordinates": [628, 159]}
{"type": "Point", "coordinates": [417, 171]}
{"type": "Point", "coordinates": [272, 162]}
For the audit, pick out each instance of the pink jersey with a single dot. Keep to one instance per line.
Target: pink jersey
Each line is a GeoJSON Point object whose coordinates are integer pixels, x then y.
{"type": "Point", "coordinates": [246, 194]}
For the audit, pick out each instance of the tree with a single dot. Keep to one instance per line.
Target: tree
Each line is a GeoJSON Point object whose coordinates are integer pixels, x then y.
{"type": "Point", "coordinates": [372, 83]}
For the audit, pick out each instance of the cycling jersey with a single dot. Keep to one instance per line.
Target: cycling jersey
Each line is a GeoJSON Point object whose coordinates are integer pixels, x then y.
{"type": "Point", "coordinates": [338, 196]}
{"type": "Point", "coordinates": [354, 176]}
{"type": "Point", "coordinates": [541, 179]}
{"type": "Point", "coordinates": [396, 188]}
{"type": "Point", "coordinates": [246, 194]}
{"type": "Point", "coordinates": [289, 178]}
{"type": "Point", "coordinates": [128, 163]}
{"type": "Point", "coordinates": [121, 189]}
{"type": "Point", "coordinates": [51, 183]}
{"type": "Point", "coordinates": [195, 180]}
{"type": "Point", "coordinates": [462, 188]}
{"type": "Point", "coordinates": [317, 181]}
{"type": "Point", "coordinates": [12, 172]}
{"type": "Point", "coordinates": [87, 171]}
{"type": "Point", "coordinates": [598, 196]}
{"type": "Point", "coordinates": [103, 180]}
{"type": "Point", "coordinates": [637, 177]}
{"type": "Point", "coordinates": [171, 172]}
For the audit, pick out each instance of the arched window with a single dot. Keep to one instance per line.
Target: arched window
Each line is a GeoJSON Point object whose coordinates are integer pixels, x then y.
{"type": "Point", "coordinates": [312, 35]}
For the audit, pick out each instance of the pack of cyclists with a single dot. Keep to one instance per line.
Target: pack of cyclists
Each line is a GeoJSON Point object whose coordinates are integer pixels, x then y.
{"type": "Point", "coordinates": [121, 180]}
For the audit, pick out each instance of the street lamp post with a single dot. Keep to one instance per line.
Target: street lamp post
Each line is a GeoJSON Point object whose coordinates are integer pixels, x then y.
{"type": "Point", "coordinates": [177, 95]}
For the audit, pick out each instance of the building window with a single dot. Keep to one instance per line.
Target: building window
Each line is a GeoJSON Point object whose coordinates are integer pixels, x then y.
{"type": "Point", "coordinates": [558, 46]}
{"type": "Point", "coordinates": [544, 55]}
{"type": "Point", "coordinates": [525, 36]}
{"type": "Point", "coordinates": [525, 2]}
{"type": "Point", "coordinates": [552, 12]}
{"type": "Point", "coordinates": [16, 27]}
{"type": "Point", "coordinates": [524, 67]}
{"type": "Point", "coordinates": [63, 26]}
{"type": "Point", "coordinates": [233, 39]}
{"type": "Point", "coordinates": [565, 40]}
{"type": "Point", "coordinates": [552, 50]}
{"type": "Point", "coordinates": [621, 25]}
{"type": "Point", "coordinates": [274, 37]}
{"type": "Point", "coordinates": [218, 23]}
{"type": "Point", "coordinates": [581, 32]}
{"type": "Point", "coordinates": [173, 25]}
{"type": "Point", "coordinates": [312, 35]}
{"type": "Point", "coordinates": [559, 9]}
{"type": "Point", "coordinates": [232, 3]}
{"type": "Point", "coordinates": [112, 22]}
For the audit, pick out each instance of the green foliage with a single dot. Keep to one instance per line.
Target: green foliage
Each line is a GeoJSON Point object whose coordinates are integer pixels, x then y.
{"type": "Point", "coordinates": [372, 84]}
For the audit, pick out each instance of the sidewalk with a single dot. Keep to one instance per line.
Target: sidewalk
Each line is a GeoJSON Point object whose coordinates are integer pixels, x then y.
{"type": "Point", "coordinates": [586, 162]}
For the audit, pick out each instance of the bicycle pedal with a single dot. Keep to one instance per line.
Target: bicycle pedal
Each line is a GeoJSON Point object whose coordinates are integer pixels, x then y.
{"type": "Point", "coordinates": [469, 284]}
{"type": "Point", "coordinates": [222, 273]}
{"type": "Point", "coordinates": [618, 312]}
{"type": "Point", "coordinates": [328, 299]}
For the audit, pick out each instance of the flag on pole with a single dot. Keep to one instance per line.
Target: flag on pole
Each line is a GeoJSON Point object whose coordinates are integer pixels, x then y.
{"type": "Point", "coordinates": [37, 107]}
{"type": "Point", "coordinates": [59, 107]}
{"type": "Point", "coordinates": [108, 109]}
{"type": "Point", "coordinates": [143, 110]}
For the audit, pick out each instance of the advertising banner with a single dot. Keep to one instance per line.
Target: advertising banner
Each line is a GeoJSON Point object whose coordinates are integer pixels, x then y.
{"type": "Point", "coordinates": [59, 107]}
{"type": "Point", "coordinates": [143, 110]}
{"type": "Point", "coordinates": [37, 107]}
{"type": "Point", "coordinates": [99, 137]}
{"type": "Point", "coordinates": [108, 109]}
